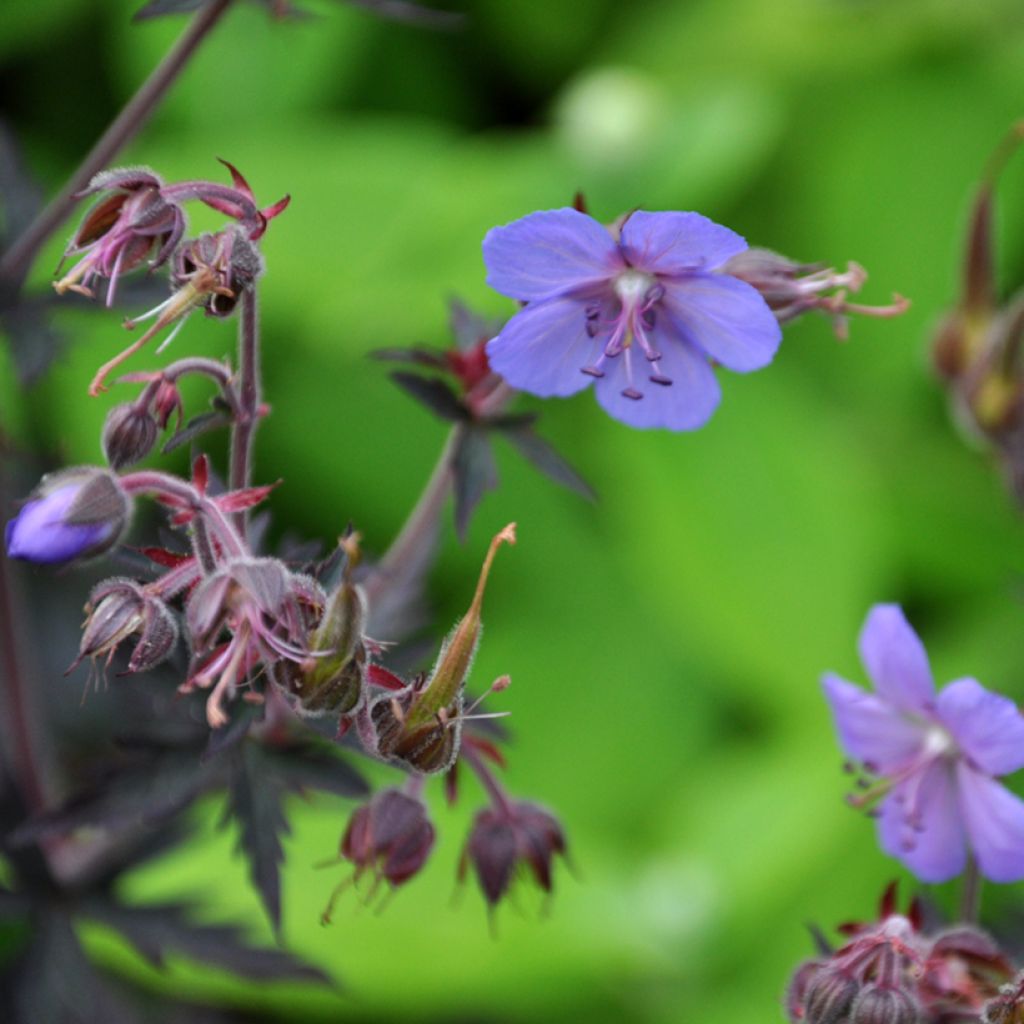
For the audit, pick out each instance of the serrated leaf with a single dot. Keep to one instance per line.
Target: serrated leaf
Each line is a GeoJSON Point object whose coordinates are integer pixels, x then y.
{"type": "Point", "coordinates": [147, 788]}
{"type": "Point", "coordinates": [435, 394]}
{"type": "Point", "coordinates": [155, 931]}
{"type": "Point", "coordinates": [303, 768]}
{"type": "Point", "coordinates": [254, 800]}
{"type": "Point", "coordinates": [418, 356]}
{"type": "Point", "coordinates": [196, 426]}
{"type": "Point", "coordinates": [543, 456]}
{"type": "Point", "coordinates": [475, 473]}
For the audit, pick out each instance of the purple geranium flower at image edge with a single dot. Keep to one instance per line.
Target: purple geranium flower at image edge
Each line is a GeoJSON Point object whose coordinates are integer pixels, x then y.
{"type": "Point", "coordinates": [41, 533]}
{"type": "Point", "coordinates": [934, 757]}
{"type": "Point", "coordinates": [640, 314]}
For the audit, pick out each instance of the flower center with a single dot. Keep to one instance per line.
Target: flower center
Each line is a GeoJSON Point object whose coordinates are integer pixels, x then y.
{"type": "Point", "coordinates": [637, 294]}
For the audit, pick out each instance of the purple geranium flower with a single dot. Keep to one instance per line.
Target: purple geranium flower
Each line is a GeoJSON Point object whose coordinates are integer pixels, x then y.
{"type": "Point", "coordinates": [640, 312]}
{"type": "Point", "coordinates": [933, 756]}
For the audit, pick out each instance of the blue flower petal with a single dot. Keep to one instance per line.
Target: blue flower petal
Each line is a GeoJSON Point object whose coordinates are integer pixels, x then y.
{"type": "Point", "coordinates": [549, 253]}
{"type": "Point", "coordinates": [544, 348]}
{"type": "Point", "coordinates": [686, 404]}
{"type": "Point", "coordinates": [987, 726]}
{"type": "Point", "coordinates": [725, 317]}
{"type": "Point", "coordinates": [870, 729]}
{"type": "Point", "coordinates": [677, 243]}
{"type": "Point", "coordinates": [896, 660]}
{"type": "Point", "coordinates": [935, 850]}
{"type": "Point", "coordinates": [995, 823]}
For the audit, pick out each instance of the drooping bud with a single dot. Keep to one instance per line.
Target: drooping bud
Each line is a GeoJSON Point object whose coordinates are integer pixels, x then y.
{"type": "Point", "coordinates": [129, 433]}
{"type": "Point", "coordinates": [73, 513]}
{"type": "Point", "coordinates": [335, 683]}
{"type": "Point", "coordinates": [420, 728]}
{"type": "Point", "coordinates": [119, 608]}
{"type": "Point", "coordinates": [390, 837]}
{"type": "Point", "coordinates": [506, 838]}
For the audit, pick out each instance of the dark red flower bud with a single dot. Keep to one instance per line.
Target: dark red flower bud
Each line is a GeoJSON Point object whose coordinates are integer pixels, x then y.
{"type": "Point", "coordinates": [119, 608]}
{"type": "Point", "coordinates": [390, 837]}
{"type": "Point", "coordinates": [129, 434]}
{"type": "Point", "coordinates": [506, 838]}
{"type": "Point", "coordinates": [963, 970]}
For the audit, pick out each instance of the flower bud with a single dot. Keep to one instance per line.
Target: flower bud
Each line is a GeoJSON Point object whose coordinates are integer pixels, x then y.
{"type": "Point", "coordinates": [829, 996]}
{"type": "Point", "coordinates": [129, 434]}
{"type": "Point", "coordinates": [74, 513]}
{"type": "Point", "coordinates": [119, 608]}
{"type": "Point", "coordinates": [420, 727]}
{"type": "Point", "coordinates": [884, 1004]}
{"type": "Point", "coordinates": [964, 969]}
{"type": "Point", "coordinates": [333, 685]}
{"type": "Point", "coordinates": [390, 836]}
{"type": "Point", "coordinates": [503, 838]}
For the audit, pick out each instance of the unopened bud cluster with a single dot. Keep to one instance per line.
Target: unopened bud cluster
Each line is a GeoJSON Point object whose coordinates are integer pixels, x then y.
{"type": "Point", "coordinates": [891, 973]}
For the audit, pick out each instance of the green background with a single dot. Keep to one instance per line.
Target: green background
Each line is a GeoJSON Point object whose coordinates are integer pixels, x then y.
{"type": "Point", "coordinates": [665, 644]}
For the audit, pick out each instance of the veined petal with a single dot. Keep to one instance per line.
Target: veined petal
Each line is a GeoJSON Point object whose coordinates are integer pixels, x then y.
{"type": "Point", "coordinates": [677, 243]}
{"type": "Point", "coordinates": [870, 729]}
{"type": "Point", "coordinates": [935, 850]}
{"type": "Point", "coordinates": [896, 660]}
{"type": "Point", "coordinates": [987, 727]}
{"type": "Point", "coordinates": [725, 317]}
{"type": "Point", "coordinates": [995, 824]}
{"type": "Point", "coordinates": [549, 253]}
{"type": "Point", "coordinates": [544, 348]}
{"type": "Point", "coordinates": [685, 404]}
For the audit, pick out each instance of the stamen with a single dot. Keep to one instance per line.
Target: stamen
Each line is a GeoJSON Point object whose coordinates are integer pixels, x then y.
{"type": "Point", "coordinates": [632, 393]}
{"type": "Point", "coordinates": [660, 378]}
{"type": "Point", "coordinates": [592, 371]}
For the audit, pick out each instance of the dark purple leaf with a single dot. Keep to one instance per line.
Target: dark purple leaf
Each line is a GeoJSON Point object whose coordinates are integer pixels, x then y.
{"type": "Point", "coordinates": [20, 195]}
{"type": "Point", "coordinates": [435, 394]}
{"type": "Point", "coordinates": [195, 427]}
{"type": "Point", "coordinates": [255, 800]}
{"type": "Point", "coordinates": [156, 931]}
{"type": "Point", "coordinates": [158, 8]}
{"type": "Point", "coordinates": [55, 982]}
{"type": "Point", "coordinates": [537, 451]}
{"type": "Point", "coordinates": [228, 737]}
{"type": "Point", "coordinates": [470, 328]}
{"type": "Point", "coordinates": [412, 14]}
{"type": "Point", "coordinates": [146, 787]}
{"type": "Point", "coordinates": [304, 767]}
{"type": "Point", "coordinates": [429, 357]}
{"type": "Point", "coordinates": [34, 343]}
{"type": "Point", "coordinates": [475, 473]}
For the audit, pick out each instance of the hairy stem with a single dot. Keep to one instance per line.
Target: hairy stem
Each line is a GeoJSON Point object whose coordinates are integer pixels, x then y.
{"type": "Point", "coordinates": [16, 261]}
{"type": "Point", "coordinates": [411, 550]}
{"type": "Point", "coordinates": [247, 417]}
